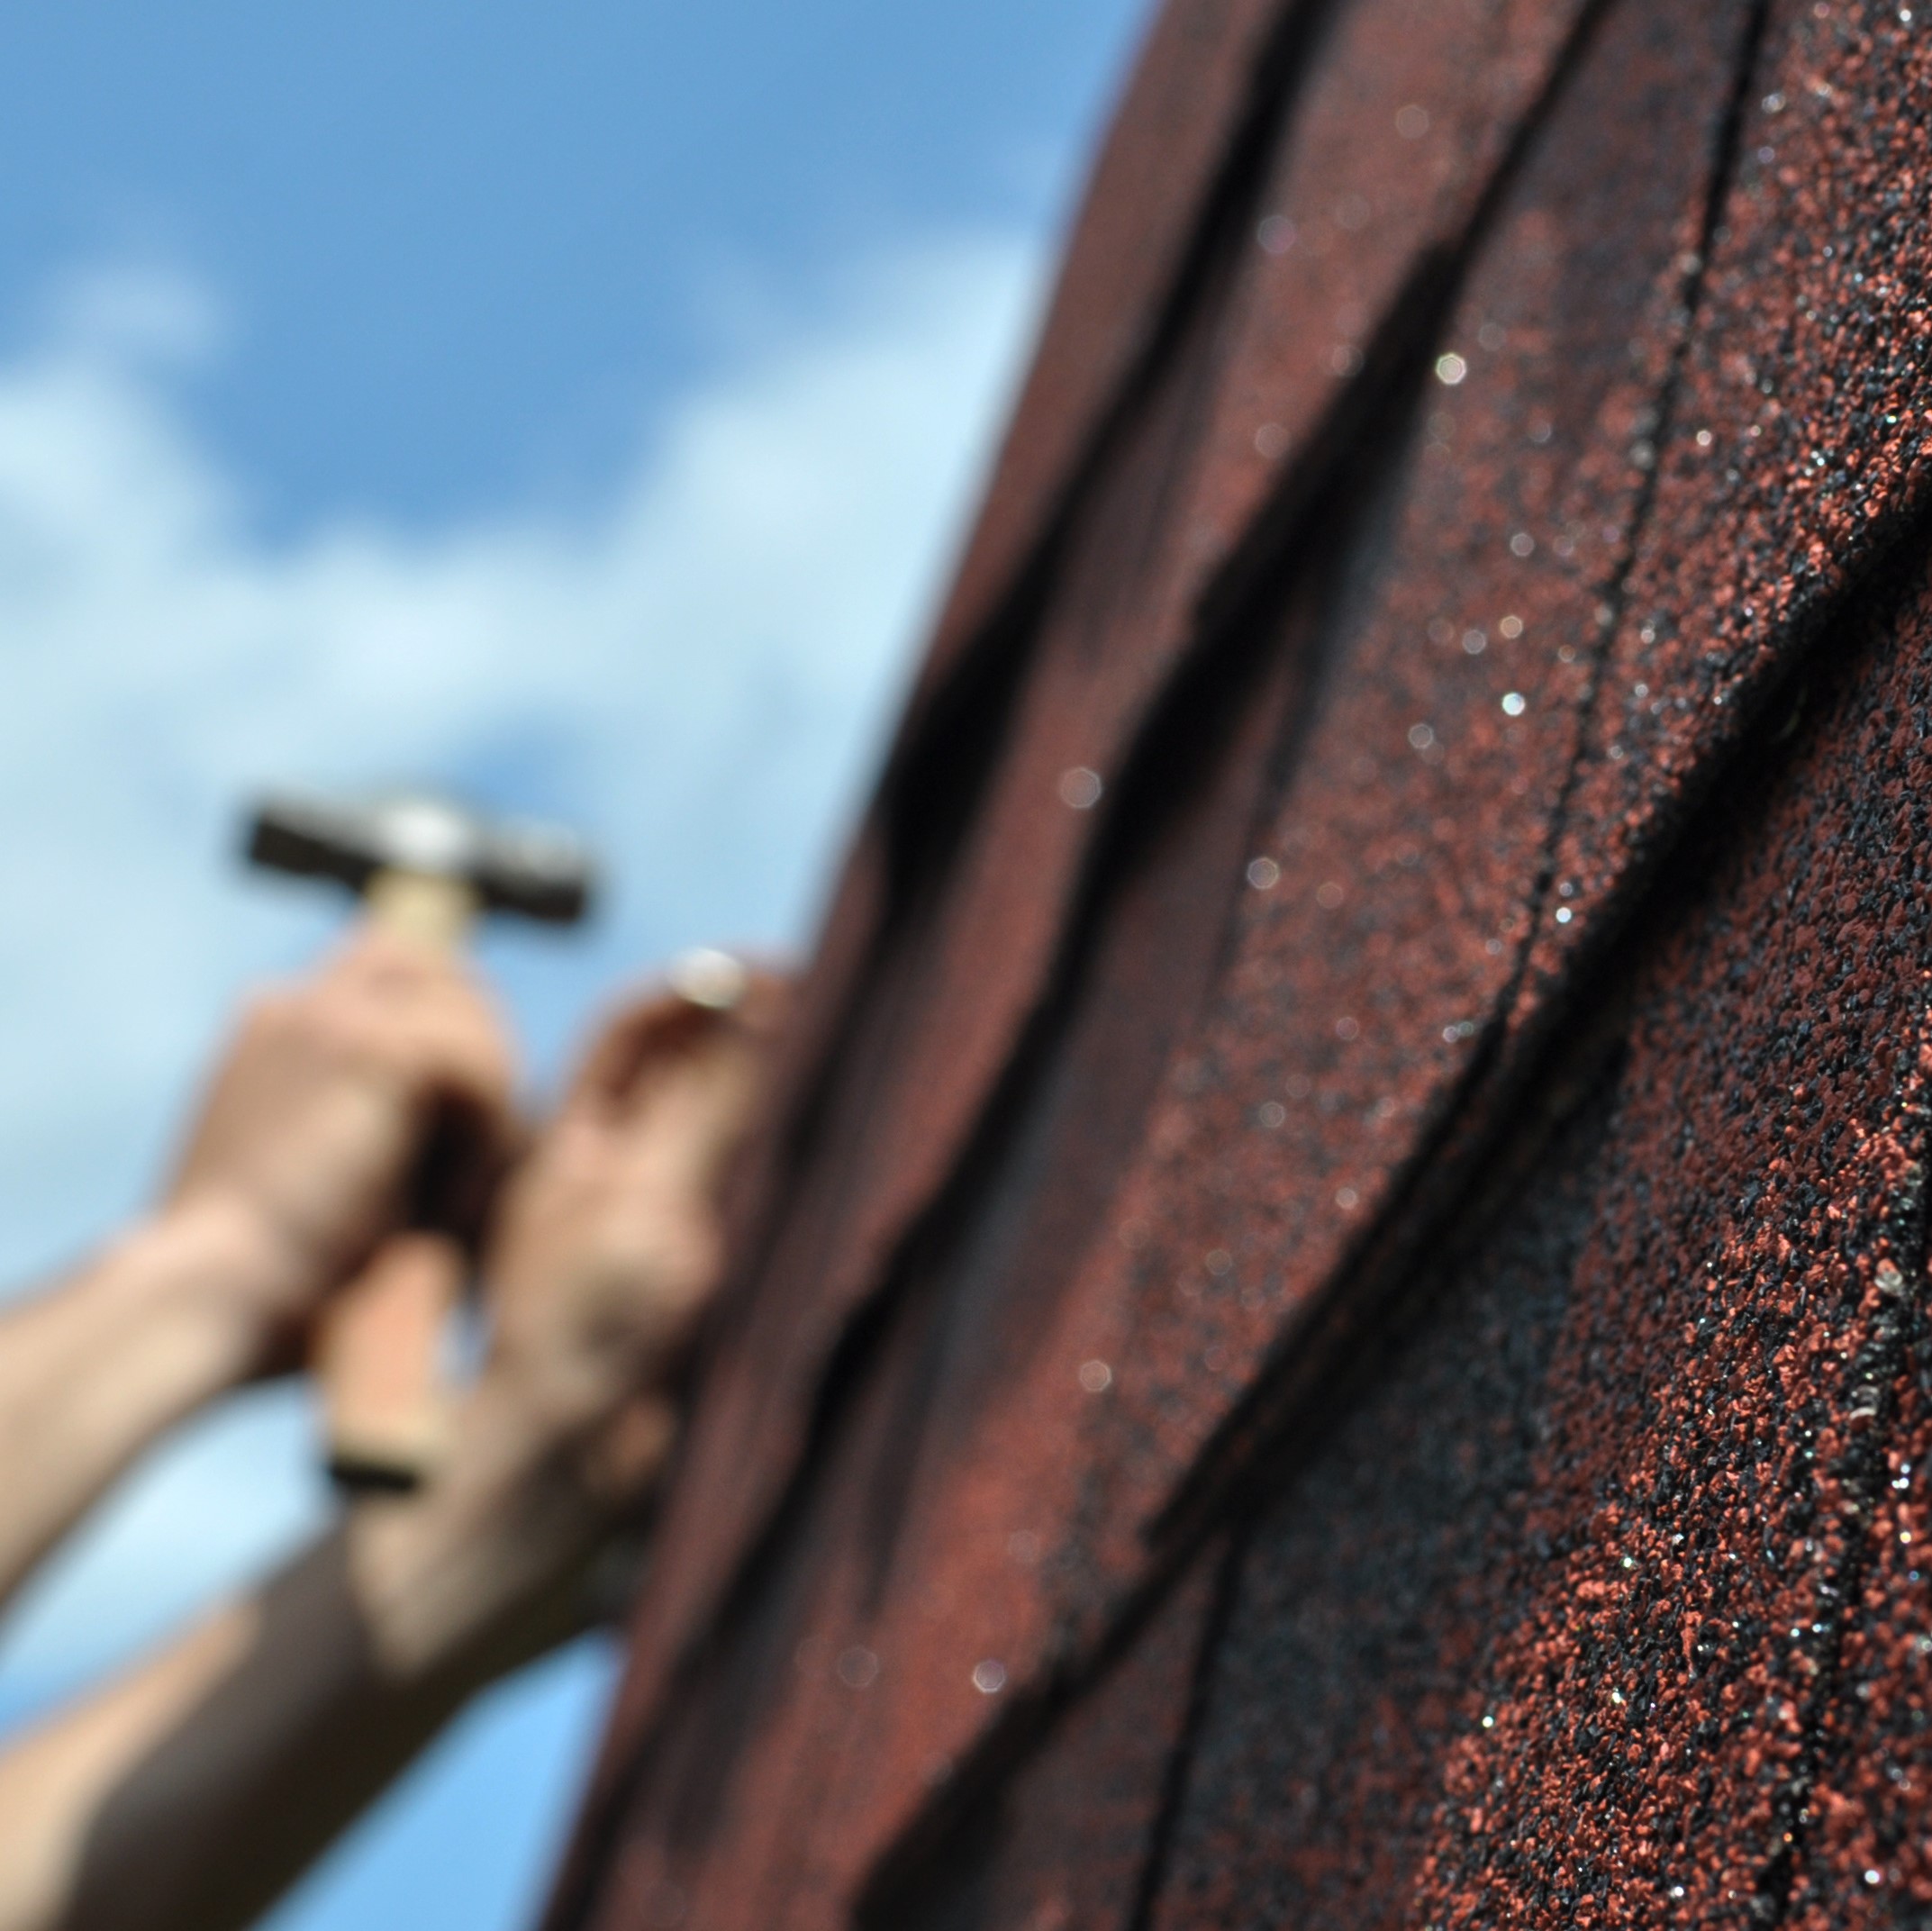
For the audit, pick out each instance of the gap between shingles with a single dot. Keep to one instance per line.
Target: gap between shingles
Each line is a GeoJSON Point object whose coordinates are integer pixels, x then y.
{"type": "Point", "coordinates": [1477, 1104]}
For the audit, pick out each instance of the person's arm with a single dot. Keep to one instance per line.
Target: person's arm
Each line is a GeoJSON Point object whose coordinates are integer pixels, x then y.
{"type": "Point", "coordinates": [92, 1371]}
{"type": "Point", "coordinates": [187, 1795]}
{"type": "Point", "coordinates": [296, 1168]}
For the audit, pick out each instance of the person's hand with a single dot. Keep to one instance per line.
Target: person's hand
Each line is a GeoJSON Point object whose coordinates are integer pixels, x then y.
{"type": "Point", "coordinates": [607, 1242]}
{"type": "Point", "coordinates": [312, 1132]}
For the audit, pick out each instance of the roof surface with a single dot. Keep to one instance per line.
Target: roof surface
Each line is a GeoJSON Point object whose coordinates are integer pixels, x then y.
{"type": "Point", "coordinates": [1335, 1332]}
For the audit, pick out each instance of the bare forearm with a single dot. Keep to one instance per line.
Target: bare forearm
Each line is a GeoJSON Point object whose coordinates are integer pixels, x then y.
{"type": "Point", "coordinates": [189, 1794]}
{"type": "Point", "coordinates": [94, 1370]}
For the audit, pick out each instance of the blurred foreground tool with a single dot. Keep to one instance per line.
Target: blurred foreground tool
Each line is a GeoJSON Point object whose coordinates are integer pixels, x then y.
{"type": "Point", "coordinates": [426, 869]}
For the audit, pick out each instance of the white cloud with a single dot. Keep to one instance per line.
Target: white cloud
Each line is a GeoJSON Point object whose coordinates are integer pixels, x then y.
{"type": "Point", "coordinates": [134, 310]}
{"type": "Point", "coordinates": [696, 668]}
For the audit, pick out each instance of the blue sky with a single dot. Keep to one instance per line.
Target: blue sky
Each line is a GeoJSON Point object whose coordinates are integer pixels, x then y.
{"type": "Point", "coordinates": [577, 407]}
{"type": "Point", "coordinates": [469, 244]}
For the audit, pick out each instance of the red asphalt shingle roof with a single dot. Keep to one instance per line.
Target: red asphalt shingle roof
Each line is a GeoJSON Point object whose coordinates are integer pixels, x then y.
{"type": "Point", "coordinates": [1333, 1333]}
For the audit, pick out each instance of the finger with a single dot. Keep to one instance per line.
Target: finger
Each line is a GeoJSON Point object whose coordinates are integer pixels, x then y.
{"type": "Point", "coordinates": [652, 1027]}
{"type": "Point", "coordinates": [380, 988]}
{"type": "Point", "coordinates": [769, 1000]}
{"type": "Point", "coordinates": [686, 1120]}
{"type": "Point", "coordinates": [723, 1105]}
{"type": "Point", "coordinates": [373, 963]}
{"type": "Point", "coordinates": [457, 1053]}
{"type": "Point", "coordinates": [374, 958]}
{"type": "Point", "coordinates": [441, 1041]}
{"type": "Point", "coordinates": [661, 1022]}
{"type": "Point", "coordinates": [456, 1075]}
{"type": "Point", "coordinates": [376, 968]}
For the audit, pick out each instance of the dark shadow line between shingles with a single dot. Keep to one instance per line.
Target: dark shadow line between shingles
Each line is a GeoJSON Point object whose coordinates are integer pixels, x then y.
{"type": "Point", "coordinates": [1475, 1110]}
{"type": "Point", "coordinates": [1426, 1195]}
{"type": "Point", "coordinates": [1281, 71]}
{"type": "Point", "coordinates": [1171, 759]}
{"type": "Point", "coordinates": [1758, 735]}
{"type": "Point", "coordinates": [1723, 176]}
{"type": "Point", "coordinates": [1180, 1766]}
{"type": "Point", "coordinates": [943, 757]}
{"type": "Point", "coordinates": [902, 1871]}
{"type": "Point", "coordinates": [1590, 1064]}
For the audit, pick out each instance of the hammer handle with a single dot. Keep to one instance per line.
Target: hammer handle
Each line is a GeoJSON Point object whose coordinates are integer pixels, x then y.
{"type": "Point", "coordinates": [375, 1353]}
{"type": "Point", "coordinates": [377, 1345]}
{"type": "Point", "coordinates": [420, 906]}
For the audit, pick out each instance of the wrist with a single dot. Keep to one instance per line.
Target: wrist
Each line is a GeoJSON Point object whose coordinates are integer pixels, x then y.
{"type": "Point", "coordinates": [485, 1568]}
{"type": "Point", "coordinates": [201, 1278]}
{"type": "Point", "coordinates": [209, 1263]}
{"type": "Point", "coordinates": [154, 1326]}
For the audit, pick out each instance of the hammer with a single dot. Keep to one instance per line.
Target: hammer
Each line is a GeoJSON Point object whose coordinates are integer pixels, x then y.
{"type": "Point", "coordinates": [426, 869]}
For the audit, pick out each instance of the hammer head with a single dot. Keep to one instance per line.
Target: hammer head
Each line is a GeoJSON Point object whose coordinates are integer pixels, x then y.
{"type": "Point", "coordinates": [533, 871]}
